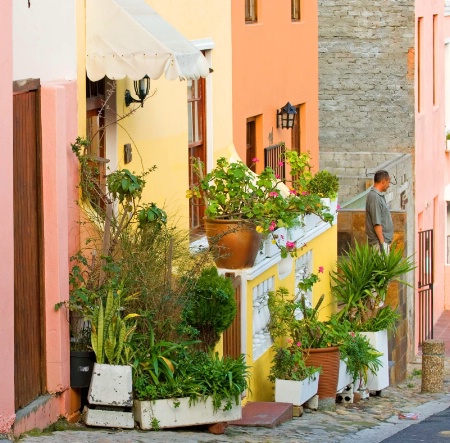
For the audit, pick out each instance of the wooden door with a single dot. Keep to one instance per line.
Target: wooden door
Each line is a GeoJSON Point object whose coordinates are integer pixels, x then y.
{"type": "Point", "coordinates": [28, 331]}
{"type": "Point", "coordinates": [232, 336]}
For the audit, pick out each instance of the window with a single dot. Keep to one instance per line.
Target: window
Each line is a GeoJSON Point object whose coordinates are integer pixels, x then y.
{"type": "Point", "coordinates": [197, 144]}
{"type": "Point", "coordinates": [250, 11]}
{"type": "Point", "coordinates": [296, 131]}
{"type": "Point", "coordinates": [295, 10]}
{"type": "Point", "coordinates": [251, 144]}
{"type": "Point", "coordinates": [95, 133]}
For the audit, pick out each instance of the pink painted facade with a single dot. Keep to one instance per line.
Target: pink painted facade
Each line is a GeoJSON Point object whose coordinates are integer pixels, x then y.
{"type": "Point", "coordinates": [430, 156]}
{"type": "Point", "coordinates": [60, 236]}
{"type": "Point", "coordinates": [7, 412]}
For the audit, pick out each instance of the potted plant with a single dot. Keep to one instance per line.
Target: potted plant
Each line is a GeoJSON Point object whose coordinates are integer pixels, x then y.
{"type": "Point", "coordinates": [203, 389]}
{"type": "Point", "coordinates": [326, 185]}
{"type": "Point", "coordinates": [294, 382]}
{"type": "Point", "coordinates": [110, 334]}
{"type": "Point", "coordinates": [240, 206]}
{"type": "Point", "coordinates": [360, 286]}
{"type": "Point", "coordinates": [291, 317]}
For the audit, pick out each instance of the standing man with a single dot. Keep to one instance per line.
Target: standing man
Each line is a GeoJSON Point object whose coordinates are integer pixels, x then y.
{"type": "Point", "coordinates": [379, 226]}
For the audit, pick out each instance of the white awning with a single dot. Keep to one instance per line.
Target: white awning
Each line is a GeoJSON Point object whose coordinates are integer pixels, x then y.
{"type": "Point", "coordinates": [129, 38]}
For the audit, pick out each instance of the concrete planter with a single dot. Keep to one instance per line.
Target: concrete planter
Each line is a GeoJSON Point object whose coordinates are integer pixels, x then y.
{"type": "Point", "coordinates": [296, 392]}
{"type": "Point", "coordinates": [111, 390]}
{"type": "Point", "coordinates": [380, 380]}
{"type": "Point", "coordinates": [176, 412]}
{"type": "Point", "coordinates": [111, 385]}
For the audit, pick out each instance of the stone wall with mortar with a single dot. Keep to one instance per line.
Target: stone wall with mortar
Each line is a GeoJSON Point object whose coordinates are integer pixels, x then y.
{"type": "Point", "coordinates": [351, 228]}
{"type": "Point", "coordinates": [366, 75]}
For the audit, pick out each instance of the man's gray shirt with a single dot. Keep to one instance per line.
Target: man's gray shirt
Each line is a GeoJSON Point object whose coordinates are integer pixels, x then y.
{"type": "Point", "coordinates": [377, 213]}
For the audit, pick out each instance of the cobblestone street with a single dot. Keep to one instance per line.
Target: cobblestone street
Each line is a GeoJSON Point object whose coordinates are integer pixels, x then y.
{"type": "Point", "coordinates": [376, 417]}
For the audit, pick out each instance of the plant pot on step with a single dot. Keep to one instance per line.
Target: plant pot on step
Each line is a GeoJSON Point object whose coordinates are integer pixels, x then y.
{"type": "Point", "coordinates": [328, 359]}
{"type": "Point", "coordinates": [235, 243]}
{"type": "Point", "coordinates": [380, 380]}
{"type": "Point", "coordinates": [296, 392]}
{"type": "Point", "coordinates": [81, 365]}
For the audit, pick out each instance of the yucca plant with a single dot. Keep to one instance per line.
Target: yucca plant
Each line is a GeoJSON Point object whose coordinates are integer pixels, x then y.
{"type": "Point", "coordinates": [109, 331]}
{"type": "Point", "coordinates": [361, 283]}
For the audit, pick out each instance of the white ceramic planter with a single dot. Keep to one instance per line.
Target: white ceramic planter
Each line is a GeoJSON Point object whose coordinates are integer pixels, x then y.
{"type": "Point", "coordinates": [296, 392]}
{"type": "Point", "coordinates": [345, 378]}
{"type": "Point", "coordinates": [311, 221]}
{"type": "Point", "coordinates": [176, 412]}
{"type": "Point", "coordinates": [380, 380]}
{"type": "Point", "coordinates": [261, 254]}
{"type": "Point", "coordinates": [280, 237]}
{"type": "Point", "coordinates": [296, 232]}
{"type": "Point", "coordinates": [111, 385]}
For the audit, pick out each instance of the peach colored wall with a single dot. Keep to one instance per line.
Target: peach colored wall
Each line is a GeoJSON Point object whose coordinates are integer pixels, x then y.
{"type": "Point", "coordinates": [430, 141]}
{"type": "Point", "coordinates": [7, 223]}
{"type": "Point", "coordinates": [60, 232]}
{"type": "Point", "coordinates": [275, 61]}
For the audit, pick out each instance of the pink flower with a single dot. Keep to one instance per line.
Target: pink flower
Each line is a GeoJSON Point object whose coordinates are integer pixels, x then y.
{"type": "Point", "coordinates": [277, 175]}
{"type": "Point", "coordinates": [338, 207]}
{"type": "Point", "coordinates": [272, 226]}
{"type": "Point", "coordinates": [305, 193]}
{"type": "Point", "coordinates": [299, 344]}
{"type": "Point", "coordinates": [321, 269]}
{"type": "Point", "coordinates": [292, 191]}
{"type": "Point", "coordinates": [280, 163]}
{"type": "Point", "coordinates": [352, 334]}
{"type": "Point", "coordinates": [273, 194]}
{"type": "Point", "coordinates": [255, 160]}
{"type": "Point", "coordinates": [289, 340]}
{"type": "Point", "coordinates": [290, 245]}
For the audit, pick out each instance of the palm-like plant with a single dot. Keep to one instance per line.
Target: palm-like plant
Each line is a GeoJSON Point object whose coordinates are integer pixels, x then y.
{"type": "Point", "coordinates": [362, 280]}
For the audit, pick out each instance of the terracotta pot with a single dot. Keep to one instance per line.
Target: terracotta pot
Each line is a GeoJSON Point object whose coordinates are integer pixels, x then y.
{"type": "Point", "coordinates": [328, 359]}
{"type": "Point", "coordinates": [235, 242]}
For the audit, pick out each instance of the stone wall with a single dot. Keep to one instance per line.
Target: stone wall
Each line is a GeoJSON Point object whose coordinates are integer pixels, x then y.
{"type": "Point", "coordinates": [366, 75]}
{"type": "Point", "coordinates": [351, 228]}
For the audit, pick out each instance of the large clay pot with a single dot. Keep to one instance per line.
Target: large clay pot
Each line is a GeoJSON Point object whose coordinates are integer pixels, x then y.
{"type": "Point", "coordinates": [328, 359]}
{"type": "Point", "coordinates": [235, 243]}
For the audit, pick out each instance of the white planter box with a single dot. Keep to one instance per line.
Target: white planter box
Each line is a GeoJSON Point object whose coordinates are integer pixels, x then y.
{"type": "Point", "coordinates": [111, 385]}
{"type": "Point", "coordinates": [296, 392]}
{"type": "Point", "coordinates": [173, 413]}
{"type": "Point", "coordinates": [345, 378]}
{"type": "Point", "coordinates": [379, 340]}
{"type": "Point", "coordinates": [280, 237]}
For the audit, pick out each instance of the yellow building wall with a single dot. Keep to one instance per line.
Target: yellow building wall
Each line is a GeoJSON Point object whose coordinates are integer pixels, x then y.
{"type": "Point", "coordinates": [158, 132]}
{"type": "Point", "coordinates": [323, 255]}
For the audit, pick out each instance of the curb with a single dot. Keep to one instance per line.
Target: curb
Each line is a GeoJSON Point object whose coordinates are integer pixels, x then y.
{"type": "Point", "coordinates": [394, 425]}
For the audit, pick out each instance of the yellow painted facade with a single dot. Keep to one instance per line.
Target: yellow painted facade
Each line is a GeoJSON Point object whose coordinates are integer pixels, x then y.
{"type": "Point", "coordinates": [158, 133]}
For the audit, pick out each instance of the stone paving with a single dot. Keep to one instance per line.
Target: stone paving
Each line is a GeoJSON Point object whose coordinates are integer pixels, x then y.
{"type": "Point", "coordinates": [313, 426]}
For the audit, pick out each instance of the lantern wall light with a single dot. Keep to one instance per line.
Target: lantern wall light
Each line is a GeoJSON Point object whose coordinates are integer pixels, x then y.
{"type": "Point", "coordinates": [141, 88]}
{"type": "Point", "coordinates": [286, 116]}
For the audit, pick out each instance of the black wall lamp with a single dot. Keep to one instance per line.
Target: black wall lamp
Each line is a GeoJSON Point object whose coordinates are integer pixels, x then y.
{"type": "Point", "coordinates": [141, 88]}
{"type": "Point", "coordinates": [286, 116]}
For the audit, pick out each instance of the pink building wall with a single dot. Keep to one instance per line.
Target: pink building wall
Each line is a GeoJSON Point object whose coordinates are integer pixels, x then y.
{"type": "Point", "coordinates": [61, 237]}
{"type": "Point", "coordinates": [7, 412]}
{"type": "Point", "coordinates": [446, 26]}
{"type": "Point", "coordinates": [430, 164]}
{"type": "Point", "coordinates": [275, 61]}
